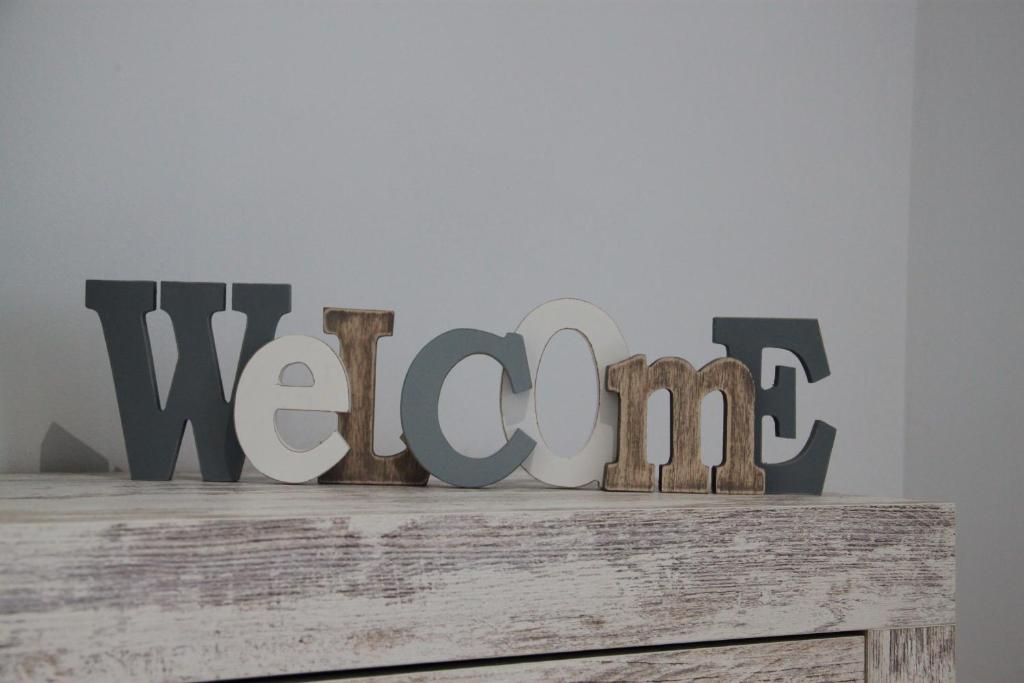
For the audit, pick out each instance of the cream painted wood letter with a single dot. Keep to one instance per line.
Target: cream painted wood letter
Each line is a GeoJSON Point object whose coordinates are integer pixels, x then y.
{"type": "Point", "coordinates": [260, 395]}
{"type": "Point", "coordinates": [519, 410]}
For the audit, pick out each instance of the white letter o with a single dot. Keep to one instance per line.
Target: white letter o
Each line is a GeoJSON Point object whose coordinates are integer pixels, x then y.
{"type": "Point", "coordinates": [519, 411]}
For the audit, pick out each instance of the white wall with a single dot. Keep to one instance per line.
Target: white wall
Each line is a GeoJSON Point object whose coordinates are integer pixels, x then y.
{"type": "Point", "coordinates": [460, 163]}
{"type": "Point", "coordinates": [965, 402]}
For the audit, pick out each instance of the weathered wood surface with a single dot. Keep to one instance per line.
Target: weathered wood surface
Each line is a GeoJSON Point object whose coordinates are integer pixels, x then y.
{"type": "Point", "coordinates": [634, 381]}
{"type": "Point", "coordinates": [109, 579]}
{"type": "Point", "coordinates": [911, 655]}
{"type": "Point", "coordinates": [685, 472]}
{"type": "Point", "coordinates": [358, 332]}
{"type": "Point", "coordinates": [738, 472]}
{"type": "Point", "coordinates": [818, 660]}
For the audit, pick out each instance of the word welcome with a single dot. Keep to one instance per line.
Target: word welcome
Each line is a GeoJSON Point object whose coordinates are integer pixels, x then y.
{"type": "Point", "coordinates": [226, 432]}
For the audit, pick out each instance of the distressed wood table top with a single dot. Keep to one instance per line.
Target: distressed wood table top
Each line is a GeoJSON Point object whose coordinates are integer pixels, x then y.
{"type": "Point", "coordinates": [110, 579]}
{"type": "Point", "coordinates": [27, 498]}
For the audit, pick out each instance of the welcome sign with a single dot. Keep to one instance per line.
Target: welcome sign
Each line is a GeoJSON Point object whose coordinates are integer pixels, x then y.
{"type": "Point", "coordinates": [228, 432]}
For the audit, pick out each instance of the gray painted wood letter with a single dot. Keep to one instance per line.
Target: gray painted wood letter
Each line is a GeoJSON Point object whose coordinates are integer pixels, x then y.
{"type": "Point", "coordinates": [745, 339]}
{"type": "Point", "coordinates": [153, 435]}
{"type": "Point", "coordinates": [421, 392]}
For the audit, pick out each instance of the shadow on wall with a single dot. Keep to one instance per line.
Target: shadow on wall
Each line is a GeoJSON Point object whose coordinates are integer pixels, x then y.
{"type": "Point", "coordinates": [62, 451]}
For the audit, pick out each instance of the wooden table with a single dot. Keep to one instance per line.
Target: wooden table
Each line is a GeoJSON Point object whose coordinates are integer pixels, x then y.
{"type": "Point", "coordinates": [108, 579]}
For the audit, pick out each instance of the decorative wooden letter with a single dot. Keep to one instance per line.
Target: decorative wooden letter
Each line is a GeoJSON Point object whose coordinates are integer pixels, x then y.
{"type": "Point", "coordinates": [519, 410]}
{"type": "Point", "coordinates": [260, 395]}
{"type": "Point", "coordinates": [744, 339]}
{"type": "Point", "coordinates": [152, 437]}
{"type": "Point", "coordinates": [358, 332]}
{"type": "Point", "coordinates": [738, 472]}
{"type": "Point", "coordinates": [635, 381]}
{"type": "Point", "coordinates": [421, 392]}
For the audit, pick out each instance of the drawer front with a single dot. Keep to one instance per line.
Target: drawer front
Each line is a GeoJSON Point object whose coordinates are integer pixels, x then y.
{"type": "Point", "coordinates": [821, 660]}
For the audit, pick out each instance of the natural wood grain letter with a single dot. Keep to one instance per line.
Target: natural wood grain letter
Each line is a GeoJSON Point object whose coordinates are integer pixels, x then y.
{"type": "Point", "coordinates": [358, 332]}
{"type": "Point", "coordinates": [634, 381]}
{"type": "Point", "coordinates": [738, 472]}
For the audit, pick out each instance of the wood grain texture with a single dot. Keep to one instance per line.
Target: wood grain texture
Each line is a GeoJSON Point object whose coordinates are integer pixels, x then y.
{"type": "Point", "coordinates": [358, 332]}
{"type": "Point", "coordinates": [109, 579]}
{"type": "Point", "coordinates": [685, 472]}
{"type": "Point", "coordinates": [818, 660]}
{"type": "Point", "coordinates": [911, 655]}
{"type": "Point", "coordinates": [738, 472]}
{"type": "Point", "coordinates": [631, 380]}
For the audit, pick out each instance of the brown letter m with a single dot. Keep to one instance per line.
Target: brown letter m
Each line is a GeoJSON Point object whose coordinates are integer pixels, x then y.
{"type": "Point", "coordinates": [635, 381]}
